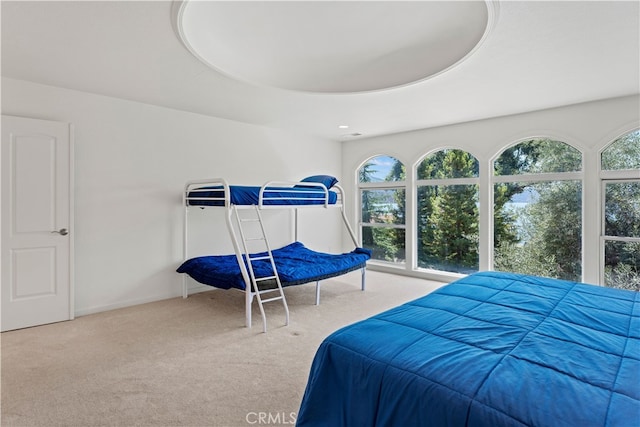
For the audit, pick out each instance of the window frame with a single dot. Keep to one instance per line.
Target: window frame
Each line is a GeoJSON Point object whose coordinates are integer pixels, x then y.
{"type": "Point", "coordinates": [604, 238]}
{"type": "Point", "coordinates": [611, 176]}
{"type": "Point", "coordinates": [440, 182]}
{"type": "Point", "coordinates": [381, 185]}
{"type": "Point", "coordinates": [589, 176]}
{"type": "Point", "coordinates": [534, 178]}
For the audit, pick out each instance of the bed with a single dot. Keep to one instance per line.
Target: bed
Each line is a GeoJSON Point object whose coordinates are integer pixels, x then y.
{"type": "Point", "coordinates": [255, 272]}
{"type": "Point", "coordinates": [491, 349]}
{"type": "Point", "coordinates": [296, 265]}
{"type": "Point", "coordinates": [245, 195]}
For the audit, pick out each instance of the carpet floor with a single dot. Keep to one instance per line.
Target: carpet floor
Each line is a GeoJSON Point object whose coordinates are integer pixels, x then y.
{"type": "Point", "coordinates": [184, 362]}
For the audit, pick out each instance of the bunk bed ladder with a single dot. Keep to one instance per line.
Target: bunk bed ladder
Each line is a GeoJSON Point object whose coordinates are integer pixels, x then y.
{"type": "Point", "coordinates": [251, 257]}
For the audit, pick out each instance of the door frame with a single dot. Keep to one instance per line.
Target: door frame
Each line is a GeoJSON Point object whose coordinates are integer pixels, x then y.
{"type": "Point", "coordinates": [71, 206]}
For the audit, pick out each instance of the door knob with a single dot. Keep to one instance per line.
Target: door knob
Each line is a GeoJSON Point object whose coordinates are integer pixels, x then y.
{"type": "Point", "coordinates": [62, 231]}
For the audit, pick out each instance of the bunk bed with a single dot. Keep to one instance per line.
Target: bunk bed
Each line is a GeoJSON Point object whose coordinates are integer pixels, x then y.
{"type": "Point", "coordinates": [491, 349]}
{"type": "Point", "coordinates": [261, 272]}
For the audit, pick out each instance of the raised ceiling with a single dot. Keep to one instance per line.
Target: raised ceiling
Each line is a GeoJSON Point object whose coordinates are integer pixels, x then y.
{"type": "Point", "coordinates": [331, 46]}
{"type": "Point", "coordinates": [531, 55]}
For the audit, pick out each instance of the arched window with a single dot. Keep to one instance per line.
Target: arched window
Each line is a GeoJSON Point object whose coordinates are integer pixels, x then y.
{"type": "Point", "coordinates": [620, 231]}
{"type": "Point", "coordinates": [382, 196]}
{"type": "Point", "coordinates": [537, 219]}
{"type": "Point", "coordinates": [447, 212]}
{"type": "Point", "coordinates": [623, 153]}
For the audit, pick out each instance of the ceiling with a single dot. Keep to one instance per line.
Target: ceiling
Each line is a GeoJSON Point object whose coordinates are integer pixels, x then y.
{"type": "Point", "coordinates": [339, 47]}
{"type": "Point", "coordinates": [378, 67]}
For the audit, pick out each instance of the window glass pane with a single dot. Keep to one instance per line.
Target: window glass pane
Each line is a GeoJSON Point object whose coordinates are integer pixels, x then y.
{"type": "Point", "coordinates": [622, 209]}
{"type": "Point", "coordinates": [386, 244]}
{"type": "Point", "coordinates": [383, 206]}
{"type": "Point", "coordinates": [622, 265]}
{"type": "Point", "coordinates": [448, 164]}
{"type": "Point", "coordinates": [538, 156]}
{"type": "Point", "coordinates": [383, 209]}
{"type": "Point", "coordinates": [381, 169]}
{"type": "Point", "coordinates": [623, 153]}
{"type": "Point", "coordinates": [538, 228]}
{"type": "Point", "coordinates": [448, 228]}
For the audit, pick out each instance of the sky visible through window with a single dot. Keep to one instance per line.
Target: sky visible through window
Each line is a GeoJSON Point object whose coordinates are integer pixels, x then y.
{"type": "Point", "coordinates": [381, 167]}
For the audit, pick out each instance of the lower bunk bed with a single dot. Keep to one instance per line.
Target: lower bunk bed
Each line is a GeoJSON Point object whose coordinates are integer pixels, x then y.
{"type": "Point", "coordinates": [295, 263]}
{"type": "Point", "coordinates": [491, 349]}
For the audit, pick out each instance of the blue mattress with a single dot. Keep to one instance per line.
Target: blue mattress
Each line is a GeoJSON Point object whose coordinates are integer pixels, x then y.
{"type": "Point", "coordinates": [492, 349]}
{"type": "Point", "coordinates": [296, 264]}
{"type": "Point", "coordinates": [249, 195]}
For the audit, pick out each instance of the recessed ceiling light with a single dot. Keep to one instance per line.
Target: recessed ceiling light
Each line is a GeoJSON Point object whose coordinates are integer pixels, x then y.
{"type": "Point", "coordinates": [343, 127]}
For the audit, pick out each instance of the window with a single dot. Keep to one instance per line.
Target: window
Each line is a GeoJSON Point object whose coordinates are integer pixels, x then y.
{"type": "Point", "coordinates": [620, 164]}
{"type": "Point", "coordinates": [447, 212]}
{"type": "Point", "coordinates": [382, 220]}
{"type": "Point", "coordinates": [537, 218]}
{"type": "Point", "coordinates": [623, 153]}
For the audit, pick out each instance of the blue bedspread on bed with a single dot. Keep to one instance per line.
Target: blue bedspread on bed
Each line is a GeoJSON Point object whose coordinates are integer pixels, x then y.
{"type": "Point", "coordinates": [492, 349]}
{"type": "Point", "coordinates": [276, 196]}
{"type": "Point", "coordinates": [296, 264]}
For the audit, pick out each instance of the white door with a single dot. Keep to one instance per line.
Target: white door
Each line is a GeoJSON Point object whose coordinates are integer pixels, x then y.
{"type": "Point", "coordinates": [37, 248]}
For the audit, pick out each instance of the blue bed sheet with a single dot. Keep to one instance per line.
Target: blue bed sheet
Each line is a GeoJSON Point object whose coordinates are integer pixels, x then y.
{"type": "Point", "coordinates": [295, 263]}
{"type": "Point", "coordinates": [276, 196]}
{"type": "Point", "coordinates": [492, 349]}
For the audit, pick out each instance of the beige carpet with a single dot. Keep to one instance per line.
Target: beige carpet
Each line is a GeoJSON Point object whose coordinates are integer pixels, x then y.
{"type": "Point", "coordinates": [184, 362]}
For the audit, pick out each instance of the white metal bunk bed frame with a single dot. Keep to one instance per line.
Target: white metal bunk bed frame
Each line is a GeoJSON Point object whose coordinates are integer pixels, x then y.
{"type": "Point", "coordinates": [251, 286]}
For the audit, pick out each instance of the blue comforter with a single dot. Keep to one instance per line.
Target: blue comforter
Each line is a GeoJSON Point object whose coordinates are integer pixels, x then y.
{"type": "Point", "coordinates": [492, 349]}
{"type": "Point", "coordinates": [295, 263]}
{"type": "Point", "coordinates": [275, 196]}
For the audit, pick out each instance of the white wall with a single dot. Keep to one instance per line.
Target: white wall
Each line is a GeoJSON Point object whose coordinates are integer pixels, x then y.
{"type": "Point", "coordinates": [589, 127]}
{"type": "Point", "coordinates": [132, 161]}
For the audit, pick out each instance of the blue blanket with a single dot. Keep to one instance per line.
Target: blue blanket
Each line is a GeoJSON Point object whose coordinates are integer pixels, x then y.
{"type": "Point", "coordinates": [295, 263]}
{"type": "Point", "coordinates": [492, 349]}
{"type": "Point", "coordinates": [275, 196]}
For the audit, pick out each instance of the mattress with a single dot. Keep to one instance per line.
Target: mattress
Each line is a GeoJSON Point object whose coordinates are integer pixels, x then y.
{"type": "Point", "coordinates": [273, 196]}
{"type": "Point", "coordinates": [491, 349]}
{"type": "Point", "coordinates": [296, 264]}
